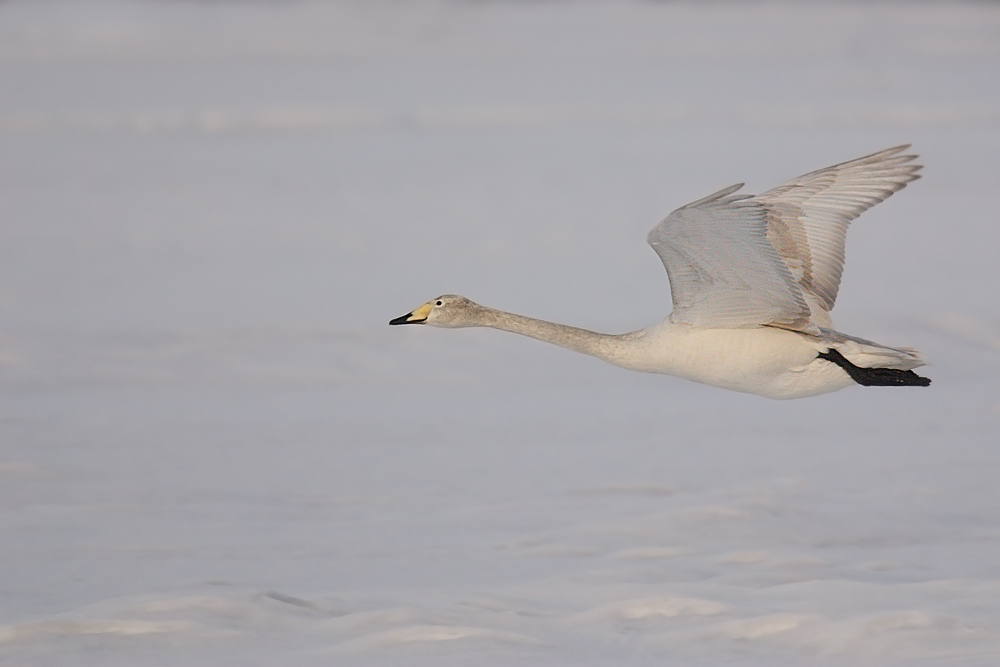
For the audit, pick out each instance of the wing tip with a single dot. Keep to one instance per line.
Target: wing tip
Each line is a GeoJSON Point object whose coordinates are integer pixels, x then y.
{"type": "Point", "coordinates": [716, 196]}
{"type": "Point", "coordinates": [888, 155]}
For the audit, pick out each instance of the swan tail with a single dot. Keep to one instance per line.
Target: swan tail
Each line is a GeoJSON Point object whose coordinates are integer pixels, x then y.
{"type": "Point", "coordinates": [873, 365]}
{"type": "Point", "coordinates": [876, 376]}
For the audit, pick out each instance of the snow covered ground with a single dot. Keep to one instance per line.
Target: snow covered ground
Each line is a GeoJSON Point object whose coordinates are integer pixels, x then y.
{"type": "Point", "coordinates": [214, 451]}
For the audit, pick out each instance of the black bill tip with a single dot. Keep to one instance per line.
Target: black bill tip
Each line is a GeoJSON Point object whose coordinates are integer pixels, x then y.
{"type": "Point", "coordinates": [405, 319]}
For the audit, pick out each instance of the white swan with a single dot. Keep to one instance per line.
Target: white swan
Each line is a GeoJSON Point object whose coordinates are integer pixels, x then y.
{"type": "Point", "coordinates": [753, 280]}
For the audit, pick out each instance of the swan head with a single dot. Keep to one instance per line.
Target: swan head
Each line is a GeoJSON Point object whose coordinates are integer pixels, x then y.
{"type": "Point", "coordinates": [448, 310]}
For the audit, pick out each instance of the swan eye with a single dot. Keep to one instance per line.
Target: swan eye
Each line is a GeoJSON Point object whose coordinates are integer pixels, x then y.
{"type": "Point", "coordinates": [439, 303]}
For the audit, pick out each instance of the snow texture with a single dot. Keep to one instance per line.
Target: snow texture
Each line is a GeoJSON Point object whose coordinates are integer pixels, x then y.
{"type": "Point", "coordinates": [215, 451]}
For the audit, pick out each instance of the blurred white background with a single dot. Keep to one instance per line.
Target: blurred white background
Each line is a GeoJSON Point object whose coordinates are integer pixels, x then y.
{"type": "Point", "coordinates": [213, 449]}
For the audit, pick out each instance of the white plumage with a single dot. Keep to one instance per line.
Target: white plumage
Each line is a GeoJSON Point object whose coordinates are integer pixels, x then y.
{"type": "Point", "coordinates": [753, 280]}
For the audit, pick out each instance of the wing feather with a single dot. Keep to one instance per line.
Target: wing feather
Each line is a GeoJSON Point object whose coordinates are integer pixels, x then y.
{"type": "Point", "coordinates": [775, 258]}
{"type": "Point", "coordinates": [723, 271]}
{"type": "Point", "coordinates": [808, 216]}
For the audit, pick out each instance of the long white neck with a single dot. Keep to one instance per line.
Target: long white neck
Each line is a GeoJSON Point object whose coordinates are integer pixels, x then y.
{"type": "Point", "coordinates": [603, 346]}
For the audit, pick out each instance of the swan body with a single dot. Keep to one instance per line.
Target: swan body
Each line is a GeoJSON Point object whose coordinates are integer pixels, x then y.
{"type": "Point", "coordinates": [753, 280]}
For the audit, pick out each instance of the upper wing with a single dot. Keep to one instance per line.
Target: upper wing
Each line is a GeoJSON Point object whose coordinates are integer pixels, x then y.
{"type": "Point", "coordinates": [777, 258]}
{"type": "Point", "coordinates": [807, 217]}
{"type": "Point", "coordinates": [724, 273]}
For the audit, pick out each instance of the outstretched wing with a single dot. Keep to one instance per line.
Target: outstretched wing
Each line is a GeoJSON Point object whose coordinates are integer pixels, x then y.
{"type": "Point", "coordinates": [724, 273]}
{"type": "Point", "coordinates": [807, 218]}
{"type": "Point", "coordinates": [776, 258]}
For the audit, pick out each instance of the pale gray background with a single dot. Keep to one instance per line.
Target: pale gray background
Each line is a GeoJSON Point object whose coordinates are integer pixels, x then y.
{"type": "Point", "coordinates": [214, 451]}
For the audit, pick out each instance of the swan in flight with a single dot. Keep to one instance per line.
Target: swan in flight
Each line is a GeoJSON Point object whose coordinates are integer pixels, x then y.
{"type": "Point", "coordinates": [753, 280]}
